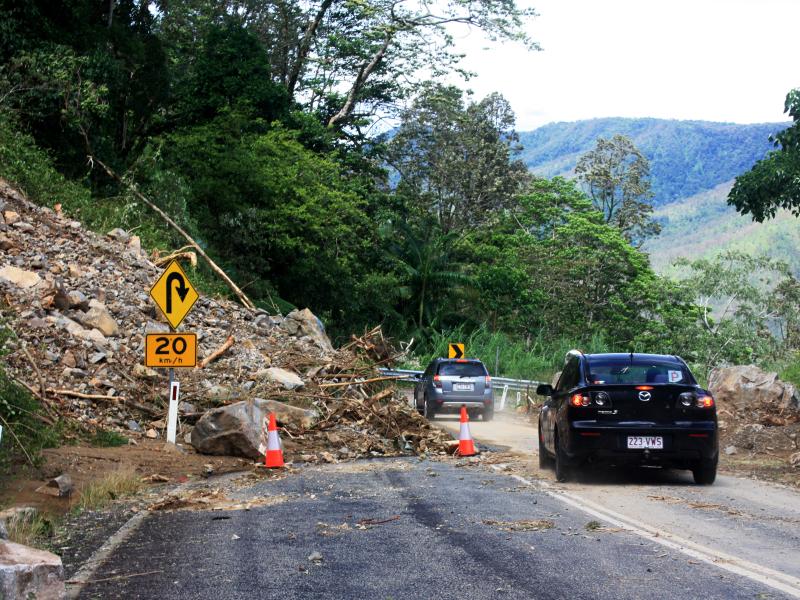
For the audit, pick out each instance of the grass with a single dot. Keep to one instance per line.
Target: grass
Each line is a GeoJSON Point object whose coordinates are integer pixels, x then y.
{"type": "Point", "coordinates": [33, 529]}
{"type": "Point", "coordinates": [108, 439]}
{"type": "Point", "coordinates": [99, 494]}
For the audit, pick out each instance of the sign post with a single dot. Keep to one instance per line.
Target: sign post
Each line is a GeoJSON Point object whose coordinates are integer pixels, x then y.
{"type": "Point", "coordinates": [175, 295]}
{"type": "Point", "coordinates": [172, 413]}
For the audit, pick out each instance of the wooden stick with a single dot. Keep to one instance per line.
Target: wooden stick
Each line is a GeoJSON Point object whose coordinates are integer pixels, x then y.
{"type": "Point", "coordinates": [373, 380]}
{"type": "Point", "coordinates": [86, 396]}
{"type": "Point", "coordinates": [42, 387]}
{"type": "Point", "coordinates": [239, 293]}
{"type": "Point", "coordinates": [216, 353]}
{"type": "Point", "coordinates": [114, 578]}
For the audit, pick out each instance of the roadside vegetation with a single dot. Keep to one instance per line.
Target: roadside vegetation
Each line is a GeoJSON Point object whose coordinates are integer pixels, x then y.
{"type": "Point", "coordinates": [100, 493]}
{"type": "Point", "coordinates": [280, 164]}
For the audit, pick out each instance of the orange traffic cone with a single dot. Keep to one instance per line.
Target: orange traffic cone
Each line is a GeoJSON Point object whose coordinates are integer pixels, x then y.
{"type": "Point", "coordinates": [465, 445]}
{"type": "Point", "coordinates": [274, 456]}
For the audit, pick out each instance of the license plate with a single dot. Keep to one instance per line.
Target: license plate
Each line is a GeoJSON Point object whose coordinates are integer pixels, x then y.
{"type": "Point", "coordinates": [645, 441]}
{"type": "Point", "coordinates": [463, 387]}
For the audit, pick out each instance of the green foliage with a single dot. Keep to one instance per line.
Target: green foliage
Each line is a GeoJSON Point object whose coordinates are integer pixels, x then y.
{"type": "Point", "coordinates": [617, 178]}
{"type": "Point", "coordinates": [739, 308]}
{"type": "Point", "coordinates": [455, 160]}
{"type": "Point", "coordinates": [31, 169]}
{"type": "Point", "coordinates": [24, 435]}
{"type": "Point", "coordinates": [107, 439]}
{"type": "Point", "coordinates": [774, 182]}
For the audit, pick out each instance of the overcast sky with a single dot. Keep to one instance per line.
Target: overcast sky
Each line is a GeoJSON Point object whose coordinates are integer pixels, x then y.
{"type": "Point", "coordinates": [716, 60]}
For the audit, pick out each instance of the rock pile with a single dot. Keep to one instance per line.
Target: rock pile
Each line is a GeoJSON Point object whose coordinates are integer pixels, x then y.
{"type": "Point", "coordinates": [77, 308]}
{"type": "Point", "coordinates": [758, 413]}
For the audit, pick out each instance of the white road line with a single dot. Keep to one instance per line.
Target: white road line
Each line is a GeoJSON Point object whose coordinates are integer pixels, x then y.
{"type": "Point", "coordinates": [783, 582]}
{"type": "Point", "coordinates": [82, 577]}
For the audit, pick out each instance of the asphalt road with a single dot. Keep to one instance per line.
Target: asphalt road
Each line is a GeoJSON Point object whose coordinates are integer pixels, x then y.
{"type": "Point", "coordinates": [403, 528]}
{"type": "Point", "coordinates": [736, 521]}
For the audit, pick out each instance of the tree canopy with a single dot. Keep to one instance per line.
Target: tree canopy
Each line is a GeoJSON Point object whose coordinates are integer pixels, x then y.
{"type": "Point", "coordinates": [774, 182]}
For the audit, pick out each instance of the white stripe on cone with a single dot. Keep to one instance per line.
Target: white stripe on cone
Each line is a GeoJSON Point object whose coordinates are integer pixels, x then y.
{"type": "Point", "coordinates": [464, 435]}
{"type": "Point", "coordinates": [273, 441]}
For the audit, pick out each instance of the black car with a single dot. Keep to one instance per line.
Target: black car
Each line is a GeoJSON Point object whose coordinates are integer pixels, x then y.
{"type": "Point", "coordinates": [628, 408]}
{"type": "Point", "coordinates": [450, 383]}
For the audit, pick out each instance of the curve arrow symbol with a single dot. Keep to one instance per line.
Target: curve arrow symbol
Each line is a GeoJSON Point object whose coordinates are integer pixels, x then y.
{"type": "Point", "coordinates": [181, 289]}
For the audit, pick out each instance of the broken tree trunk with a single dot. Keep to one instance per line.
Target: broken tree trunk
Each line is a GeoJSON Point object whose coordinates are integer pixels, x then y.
{"type": "Point", "coordinates": [239, 293]}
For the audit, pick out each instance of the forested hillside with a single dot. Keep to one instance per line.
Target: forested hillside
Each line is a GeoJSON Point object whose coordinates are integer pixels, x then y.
{"type": "Point", "coordinates": [253, 126]}
{"type": "Point", "coordinates": [686, 157]}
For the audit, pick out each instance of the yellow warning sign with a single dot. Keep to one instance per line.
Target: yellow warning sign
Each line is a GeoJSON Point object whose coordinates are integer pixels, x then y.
{"type": "Point", "coordinates": [455, 350]}
{"type": "Point", "coordinates": [171, 350]}
{"type": "Point", "coordinates": [174, 294]}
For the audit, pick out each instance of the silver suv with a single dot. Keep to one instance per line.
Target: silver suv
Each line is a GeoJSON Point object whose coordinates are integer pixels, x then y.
{"type": "Point", "coordinates": [449, 383]}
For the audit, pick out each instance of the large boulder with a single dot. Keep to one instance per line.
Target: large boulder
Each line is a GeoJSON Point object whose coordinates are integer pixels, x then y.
{"type": "Point", "coordinates": [748, 387]}
{"type": "Point", "coordinates": [30, 573]}
{"type": "Point", "coordinates": [236, 429]}
{"type": "Point", "coordinates": [310, 325]}
{"type": "Point", "coordinates": [19, 277]}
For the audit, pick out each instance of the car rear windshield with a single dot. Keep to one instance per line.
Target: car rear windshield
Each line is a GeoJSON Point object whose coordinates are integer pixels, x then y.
{"type": "Point", "coordinates": [637, 371]}
{"type": "Point", "coordinates": [468, 369]}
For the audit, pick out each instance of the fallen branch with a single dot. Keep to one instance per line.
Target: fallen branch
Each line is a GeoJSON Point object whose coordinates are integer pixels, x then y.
{"type": "Point", "coordinates": [113, 578]}
{"type": "Point", "coordinates": [182, 253]}
{"type": "Point", "coordinates": [378, 521]}
{"type": "Point", "coordinates": [216, 353]}
{"type": "Point", "coordinates": [85, 396]}
{"type": "Point", "coordinates": [373, 380]}
{"type": "Point", "coordinates": [45, 402]}
{"type": "Point", "coordinates": [133, 404]}
{"type": "Point", "coordinates": [27, 354]}
{"type": "Point", "coordinates": [239, 293]}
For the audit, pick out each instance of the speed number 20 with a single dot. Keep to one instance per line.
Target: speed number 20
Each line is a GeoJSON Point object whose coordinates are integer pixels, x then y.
{"type": "Point", "coordinates": [171, 350]}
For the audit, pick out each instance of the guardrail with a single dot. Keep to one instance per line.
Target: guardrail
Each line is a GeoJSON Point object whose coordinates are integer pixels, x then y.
{"type": "Point", "coordinates": [506, 384]}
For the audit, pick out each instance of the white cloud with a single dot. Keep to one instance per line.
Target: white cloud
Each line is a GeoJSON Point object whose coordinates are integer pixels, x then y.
{"type": "Point", "coordinates": [716, 60]}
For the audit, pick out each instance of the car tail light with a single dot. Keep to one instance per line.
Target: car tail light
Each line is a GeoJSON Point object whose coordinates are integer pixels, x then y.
{"type": "Point", "coordinates": [437, 382]}
{"type": "Point", "coordinates": [705, 401]}
{"type": "Point", "coordinates": [488, 380]}
{"type": "Point", "coordinates": [579, 400]}
{"type": "Point", "coordinates": [644, 388]}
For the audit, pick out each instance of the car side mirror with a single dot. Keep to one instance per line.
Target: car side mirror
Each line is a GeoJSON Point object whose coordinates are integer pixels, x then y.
{"type": "Point", "coordinates": [544, 389]}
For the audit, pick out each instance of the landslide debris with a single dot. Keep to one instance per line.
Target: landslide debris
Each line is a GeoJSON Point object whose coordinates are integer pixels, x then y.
{"type": "Point", "coordinates": [759, 419]}
{"type": "Point", "coordinates": [77, 309]}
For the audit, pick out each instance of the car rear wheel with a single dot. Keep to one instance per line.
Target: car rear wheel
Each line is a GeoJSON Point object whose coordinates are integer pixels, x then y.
{"type": "Point", "coordinates": [705, 473]}
{"type": "Point", "coordinates": [428, 411]}
{"type": "Point", "coordinates": [545, 461]}
{"type": "Point", "coordinates": [563, 468]}
{"type": "Point", "coordinates": [488, 413]}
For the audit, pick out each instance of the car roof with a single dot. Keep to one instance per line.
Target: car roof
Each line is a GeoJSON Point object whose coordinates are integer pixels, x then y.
{"type": "Point", "coordinates": [612, 356]}
{"type": "Point", "coordinates": [459, 360]}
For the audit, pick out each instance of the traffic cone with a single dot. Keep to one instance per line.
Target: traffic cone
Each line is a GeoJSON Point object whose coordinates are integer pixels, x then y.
{"type": "Point", "coordinates": [465, 445]}
{"type": "Point", "coordinates": [274, 456]}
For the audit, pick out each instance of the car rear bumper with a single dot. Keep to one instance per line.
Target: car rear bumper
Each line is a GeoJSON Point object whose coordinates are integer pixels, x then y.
{"type": "Point", "coordinates": [456, 405]}
{"type": "Point", "coordinates": [683, 442]}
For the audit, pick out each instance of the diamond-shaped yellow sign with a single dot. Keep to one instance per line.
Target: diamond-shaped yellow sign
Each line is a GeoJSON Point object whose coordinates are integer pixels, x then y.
{"type": "Point", "coordinates": [174, 294]}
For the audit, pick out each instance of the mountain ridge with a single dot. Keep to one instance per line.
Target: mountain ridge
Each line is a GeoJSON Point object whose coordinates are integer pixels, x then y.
{"type": "Point", "coordinates": [686, 157]}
